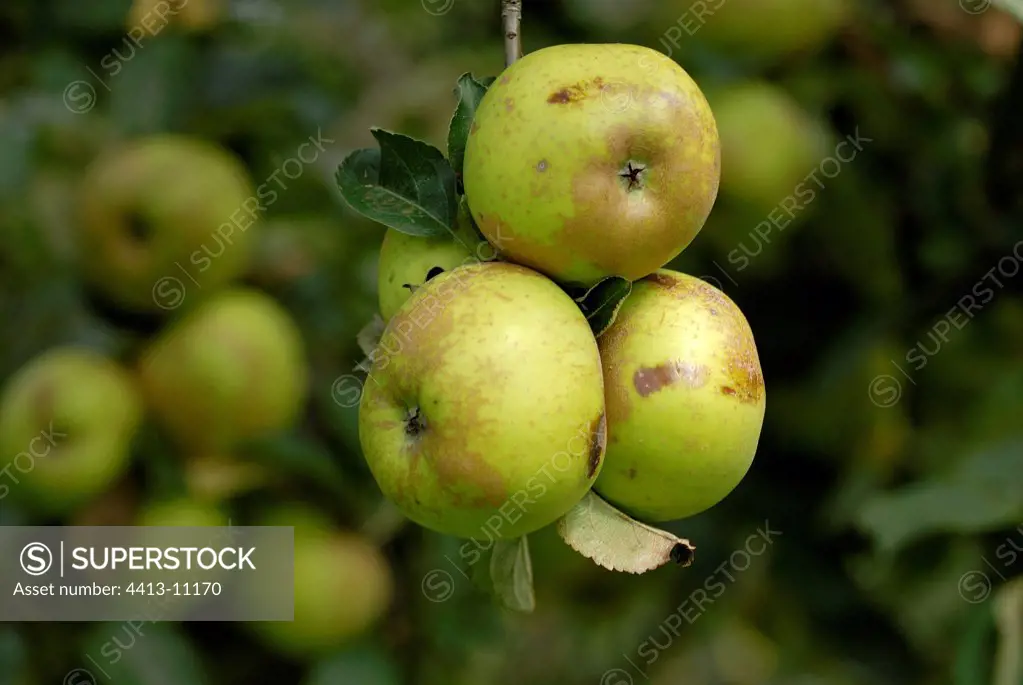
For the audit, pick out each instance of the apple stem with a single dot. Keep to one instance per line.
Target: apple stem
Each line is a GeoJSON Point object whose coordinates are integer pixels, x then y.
{"type": "Point", "coordinates": [511, 14]}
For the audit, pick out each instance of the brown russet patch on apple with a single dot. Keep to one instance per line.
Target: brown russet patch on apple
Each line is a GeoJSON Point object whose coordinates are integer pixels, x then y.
{"type": "Point", "coordinates": [464, 476]}
{"type": "Point", "coordinates": [457, 469]}
{"type": "Point", "coordinates": [576, 92]}
{"type": "Point", "coordinates": [652, 217]}
{"type": "Point", "coordinates": [509, 105]}
{"type": "Point", "coordinates": [649, 380]}
{"type": "Point", "coordinates": [475, 127]}
{"type": "Point", "coordinates": [631, 473]}
{"type": "Point", "coordinates": [742, 369]}
{"type": "Point", "coordinates": [597, 445]}
{"type": "Point", "coordinates": [661, 279]}
{"type": "Point", "coordinates": [746, 380]}
{"type": "Point", "coordinates": [616, 390]}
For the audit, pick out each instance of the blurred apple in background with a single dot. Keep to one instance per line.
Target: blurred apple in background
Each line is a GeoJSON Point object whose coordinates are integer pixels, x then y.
{"type": "Point", "coordinates": [762, 31]}
{"type": "Point", "coordinates": [769, 143]}
{"type": "Point", "coordinates": [164, 221]}
{"type": "Point", "coordinates": [67, 419]}
{"type": "Point", "coordinates": [343, 585]}
{"type": "Point", "coordinates": [231, 370]}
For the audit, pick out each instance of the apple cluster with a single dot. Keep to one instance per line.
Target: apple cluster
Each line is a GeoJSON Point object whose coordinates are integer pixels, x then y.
{"type": "Point", "coordinates": [220, 365]}
{"type": "Point", "coordinates": [538, 348]}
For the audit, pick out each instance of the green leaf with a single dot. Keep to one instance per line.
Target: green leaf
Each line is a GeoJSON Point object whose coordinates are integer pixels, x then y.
{"type": "Point", "coordinates": [615, 541]}
{"type": "Point", "coordinates": [602, 302]}
{"type": "Point", "coordinates": [406, 185]}
{"type": "Point", "coordinates": [511, 570]}
{"type": "Point", "coordinates": [972, 663]}
{"type": "Point", "coordinates": [486, 81]}
{"type": "Point", "coordinates": [470, 93]}
{"type": "Point", "coordinates": [1013, 7]}
{"type": "Point", "coordinates": [984, 493]}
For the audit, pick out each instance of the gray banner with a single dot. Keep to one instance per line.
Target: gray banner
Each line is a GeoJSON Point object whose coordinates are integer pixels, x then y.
{"type": "Point", "coordinates": [124, 573]}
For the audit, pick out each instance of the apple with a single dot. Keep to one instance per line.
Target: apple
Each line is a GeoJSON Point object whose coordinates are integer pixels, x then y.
{"type": "Point", "coordinates": [483, 413]}
{"type": "Point", "coordinates": [767, 30]}
{"type": "Point", "coordinates": [343, 586]}
{"type": "Point", "coordinates": [685, 399]}
{"type": "Point", "coordinates": [232, 369]}
{"type": "Point", "coordinates": [406, 262]}
{"type": "Point", "coordinates": [164, 220]}
{"type": "Point", "coordinates": [585, 161]}
{"type": "Point", "coordinates": [67, 419]}
{"type": "Point", "coordinates": [769, 145]}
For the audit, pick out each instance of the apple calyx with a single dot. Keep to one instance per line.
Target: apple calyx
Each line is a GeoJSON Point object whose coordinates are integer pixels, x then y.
{"type": "Point", "coordinates": [415, 423]}
{"type": "Point", "coordinates": [631, 173]}
{"type": "Point", "coordinates": [138, 228]}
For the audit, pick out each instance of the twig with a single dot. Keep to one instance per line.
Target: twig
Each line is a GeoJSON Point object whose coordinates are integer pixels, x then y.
{"type": "Point", "coordinates": [511, 14]}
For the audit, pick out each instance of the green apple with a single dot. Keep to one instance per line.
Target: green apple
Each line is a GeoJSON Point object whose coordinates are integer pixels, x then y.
{"type": "Point", "coordinates": [769, 145]}
{"type": "Point", "coordinates": [685, 399]}
{"type": "Point", "coordinates": [766, 30]}
{"type": "Point", "coordinates": [230, 370]}
{"type": "Point", "coordinates": [406, 262]}
{"type": "Point", "coordinates": [164, 220]}
{"type": "Point", "coordinates": [343, 586]}
{"type": "Point", "coordinates": [67, 419]}
{"type": "Point", "coordinates": [585, 161]}
{"type": "Point", "coordinates": [483, 414]}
